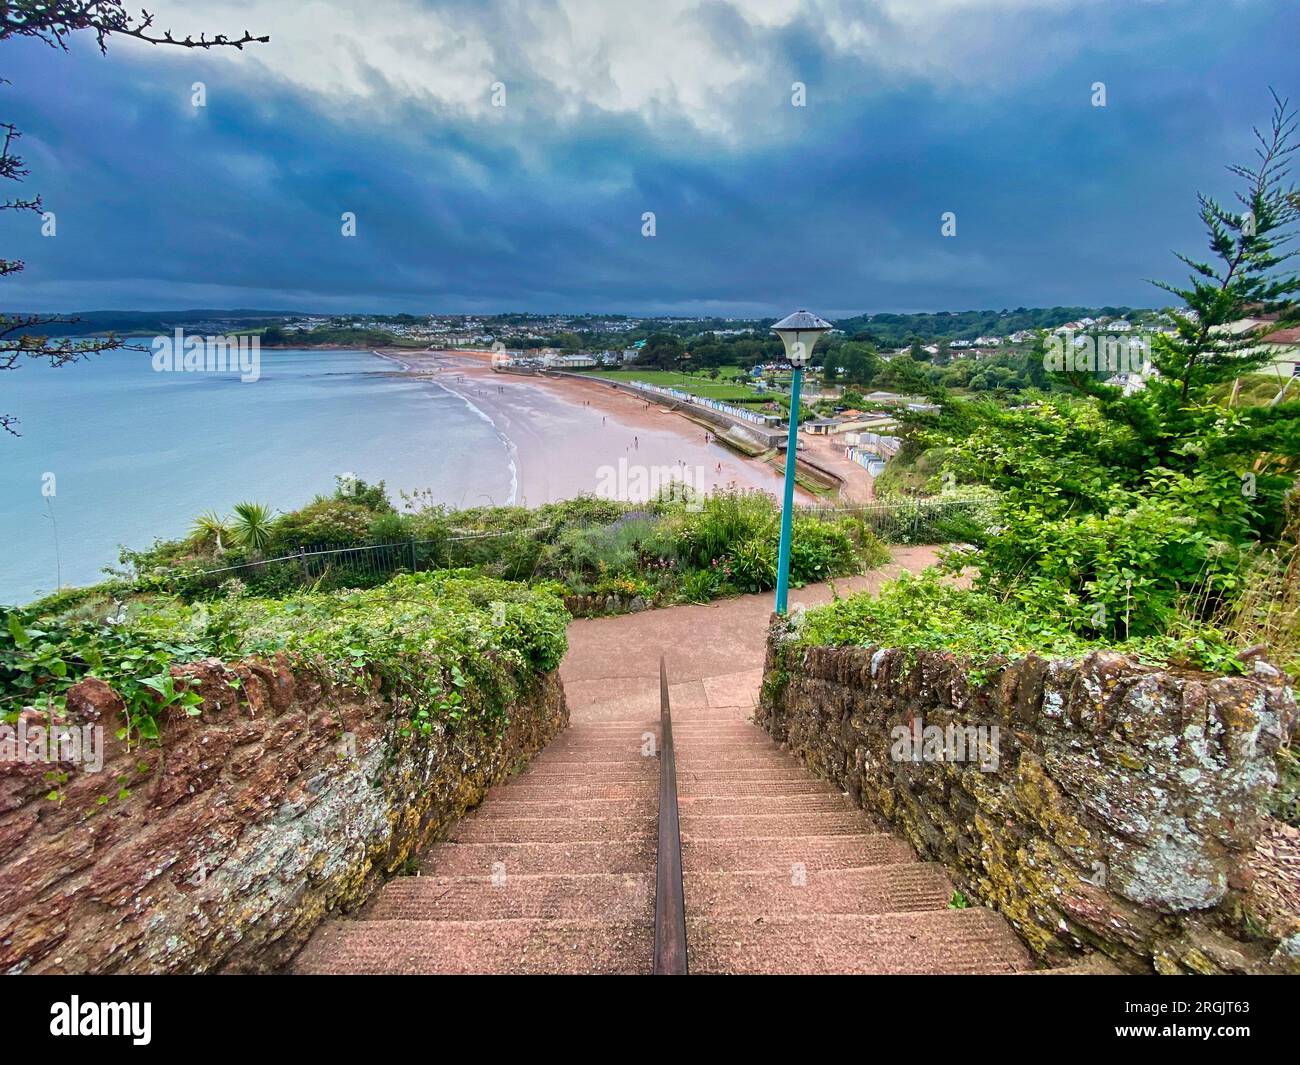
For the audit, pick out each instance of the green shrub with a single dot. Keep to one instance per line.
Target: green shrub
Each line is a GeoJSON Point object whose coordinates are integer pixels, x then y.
{"type": "Point", "coordinates": [753, 564]}
{"type": "Point", "coordinates": [725, 521]}
{"type": "Point", "coordinates": [324, 523]}
{"type": "Point", "coordinates": [822, 549]}
{"type": "Point", "coordinates": [925, 613]}
{"type": "Point", "coordinates": [443, 646]}
{"type": "Point", "coordinates": [701, 585]}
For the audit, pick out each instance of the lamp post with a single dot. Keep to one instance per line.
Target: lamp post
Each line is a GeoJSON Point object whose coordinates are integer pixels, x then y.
{"type": "Point", "coordinates": [799, 332]}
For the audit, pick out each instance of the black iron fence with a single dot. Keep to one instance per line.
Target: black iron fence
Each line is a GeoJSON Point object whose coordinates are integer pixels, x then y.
{"type": "Point", "coordinates": [922, 520]}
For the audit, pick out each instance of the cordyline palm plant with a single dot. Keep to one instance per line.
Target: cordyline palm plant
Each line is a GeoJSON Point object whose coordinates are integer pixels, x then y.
{"type": "Point", "coordinates": [253, 525]}
{"type": "Point", "coordinates": [211, 529]}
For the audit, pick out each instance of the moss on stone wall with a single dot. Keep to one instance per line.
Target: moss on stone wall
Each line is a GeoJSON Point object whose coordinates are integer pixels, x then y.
{"type": "Point", "coordinates": [1118, 810]}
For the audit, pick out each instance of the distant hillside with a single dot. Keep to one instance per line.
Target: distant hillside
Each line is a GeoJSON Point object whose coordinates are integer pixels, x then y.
{"type": "Point", "coordinates": [895, 330]}
{"type": "Point", "coordinates": [147, 322]}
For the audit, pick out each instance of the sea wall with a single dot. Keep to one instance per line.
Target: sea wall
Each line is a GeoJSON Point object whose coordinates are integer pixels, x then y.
{"type": "Point", "coordinates": [756, 436]}
{"type": "Point", "coordinates": [1100, 805]}
{"type": "Point", "coordinates": [222, 846]}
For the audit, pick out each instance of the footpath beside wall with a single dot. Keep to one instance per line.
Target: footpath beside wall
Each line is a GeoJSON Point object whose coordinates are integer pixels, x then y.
{"type": "Point", "coordinates": [1117, 810]}
{"type": "Point", "coordinates": [223, 846]}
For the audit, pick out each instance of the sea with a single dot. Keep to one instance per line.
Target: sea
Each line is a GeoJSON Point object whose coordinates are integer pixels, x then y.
{"type": "Point", "coordinates": [113, 452]}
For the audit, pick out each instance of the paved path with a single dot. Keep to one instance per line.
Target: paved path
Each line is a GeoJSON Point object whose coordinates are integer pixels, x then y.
{"type": "Point", "coordinates": [555, 871]}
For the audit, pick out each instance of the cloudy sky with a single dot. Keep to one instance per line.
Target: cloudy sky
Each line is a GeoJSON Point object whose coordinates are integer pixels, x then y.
{"type": "Point", "coordinates": [614, 108]}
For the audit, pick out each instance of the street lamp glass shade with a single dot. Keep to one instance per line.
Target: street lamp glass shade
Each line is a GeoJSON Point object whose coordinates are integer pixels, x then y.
{"type": "Point", "coordinates": [799, 332]}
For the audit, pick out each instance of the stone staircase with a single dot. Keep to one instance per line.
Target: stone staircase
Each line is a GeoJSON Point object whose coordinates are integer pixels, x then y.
{"type": "Point", "coordinates": [783, 875]}
{"type": "Point", "coordinates": [555, 872]}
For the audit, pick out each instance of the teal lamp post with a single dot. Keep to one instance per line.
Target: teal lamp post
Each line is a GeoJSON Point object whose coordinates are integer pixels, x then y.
{"type": "Point", "coordinates": [798, 332]}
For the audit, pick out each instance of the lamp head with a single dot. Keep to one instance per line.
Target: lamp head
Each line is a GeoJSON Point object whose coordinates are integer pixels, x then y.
{"type": "Point", "coordinates": [799, 332]}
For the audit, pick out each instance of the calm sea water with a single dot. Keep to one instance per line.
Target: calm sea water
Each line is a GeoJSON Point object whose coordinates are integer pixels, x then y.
{"type": "Point", "coordinates": [137, 454]}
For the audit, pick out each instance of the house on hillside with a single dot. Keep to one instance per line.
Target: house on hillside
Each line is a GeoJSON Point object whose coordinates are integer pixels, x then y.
{"type": "Point", "coordinates": [1284, 346]}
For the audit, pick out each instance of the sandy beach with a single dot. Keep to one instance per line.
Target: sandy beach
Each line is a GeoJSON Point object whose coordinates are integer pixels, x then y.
{"type": "Point", "coordinates": [568, 437]}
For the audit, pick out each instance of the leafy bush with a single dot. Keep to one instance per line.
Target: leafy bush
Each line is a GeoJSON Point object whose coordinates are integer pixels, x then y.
{"type": "Point", "coordinates": [752, 564]}
{"type": "Point", "coordinates": [326, 522]}
{"type": "Point", "coordinates": [444, 646]}
{"type": "Point", "coordinates": [701, 585]}
{"type": "Point", "coordinates": [587, 543]}
{"type": "Point", "coordinates": [821, 549]}
{"type": "Point", "coordinates": [925, 613]}
{"type": "Point", "coordinates": [724, 521]}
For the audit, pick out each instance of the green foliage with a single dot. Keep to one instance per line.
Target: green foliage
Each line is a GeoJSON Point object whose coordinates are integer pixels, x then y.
{"type": "Point", "coordinates": [210, 529]}
{"type": "Point", "coordinates": [40, 659]}
{"type": "Point", "coordinates": [1123, 514]}
{"type": "Point", "coordinates": [591, 545]}
{"type": "Point", "coordinates": [323, 523]}
{"type": "Point", "coordinates": [890, 330]}
{"type": "Point", "coordinates": [371, 496]}
{"type": "Point", "coordinates": [253, 525]}
{"type": "Point", "coordinates": [726, 519]}
{"type": "Point", "coordinates": [443, 646]}
{"type": "Point", "coordinates": [1082, 520]}
{"type": "Point", "coordinates": [926, 613]}
{"type": "Point", "coordinates": [751, 564]}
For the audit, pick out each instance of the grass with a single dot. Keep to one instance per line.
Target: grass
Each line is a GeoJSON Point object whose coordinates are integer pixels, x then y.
{"type": "Point", "coordinates": [698, 384]}
{"type": "Point", "coordinates": [1266, 609]}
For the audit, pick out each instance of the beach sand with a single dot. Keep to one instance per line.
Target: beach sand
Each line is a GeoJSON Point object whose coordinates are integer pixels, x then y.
{"type": "Point", "coordinates": [569, 437]}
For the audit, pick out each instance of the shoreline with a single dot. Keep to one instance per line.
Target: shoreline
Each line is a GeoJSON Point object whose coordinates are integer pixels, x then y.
{"type": "Point", "coordinates": [568, 437]}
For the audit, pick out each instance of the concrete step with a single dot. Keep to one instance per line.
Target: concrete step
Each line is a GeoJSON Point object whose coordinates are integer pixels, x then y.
{"type": "Point", "coordinates": [696, 776]}
{"type": "Point", "coordinates": [698, 787]}
{"type": "Point", "coordinates": [844, 822]}
{"type": "Point", "coordinates": [585, 756]}
{"type": "Point", "coordinates": [786, 855]}
{"type": "Point", "coordinates": [696, 762]}
{"type": "Point", "coordinates": [478, 859]}
{"type": "Point", "coordinates": [551, 830]}
{"type": "Point", "coordinates": [704, 806]}
{"type": "Point", "coordinates": [899, 888]}
{"type": "Point", "coordinates": [525, 946]}
{"type": "Point", "coordinates": [972, 941]}
{"type": "Point", "coordinates": [518, 791]}
{"type": "Point", "coordinates": [567, 775]}
{"type": "Point", "coordinates": [509, 808]}
{"type": "Point", "coordinates": [597, 896]}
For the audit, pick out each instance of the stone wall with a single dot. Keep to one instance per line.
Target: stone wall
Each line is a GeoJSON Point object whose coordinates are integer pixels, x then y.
{"type": "Point", "coordinates": [595, 606]}
{"type": "Point", "coordinates": [1118, 809]}
{"type": "Point", "coordinates": [221, 847]}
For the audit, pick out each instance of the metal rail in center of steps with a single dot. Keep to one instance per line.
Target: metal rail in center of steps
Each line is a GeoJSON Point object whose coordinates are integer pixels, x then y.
{"type": "Point", "coordinates": [670, 900]}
